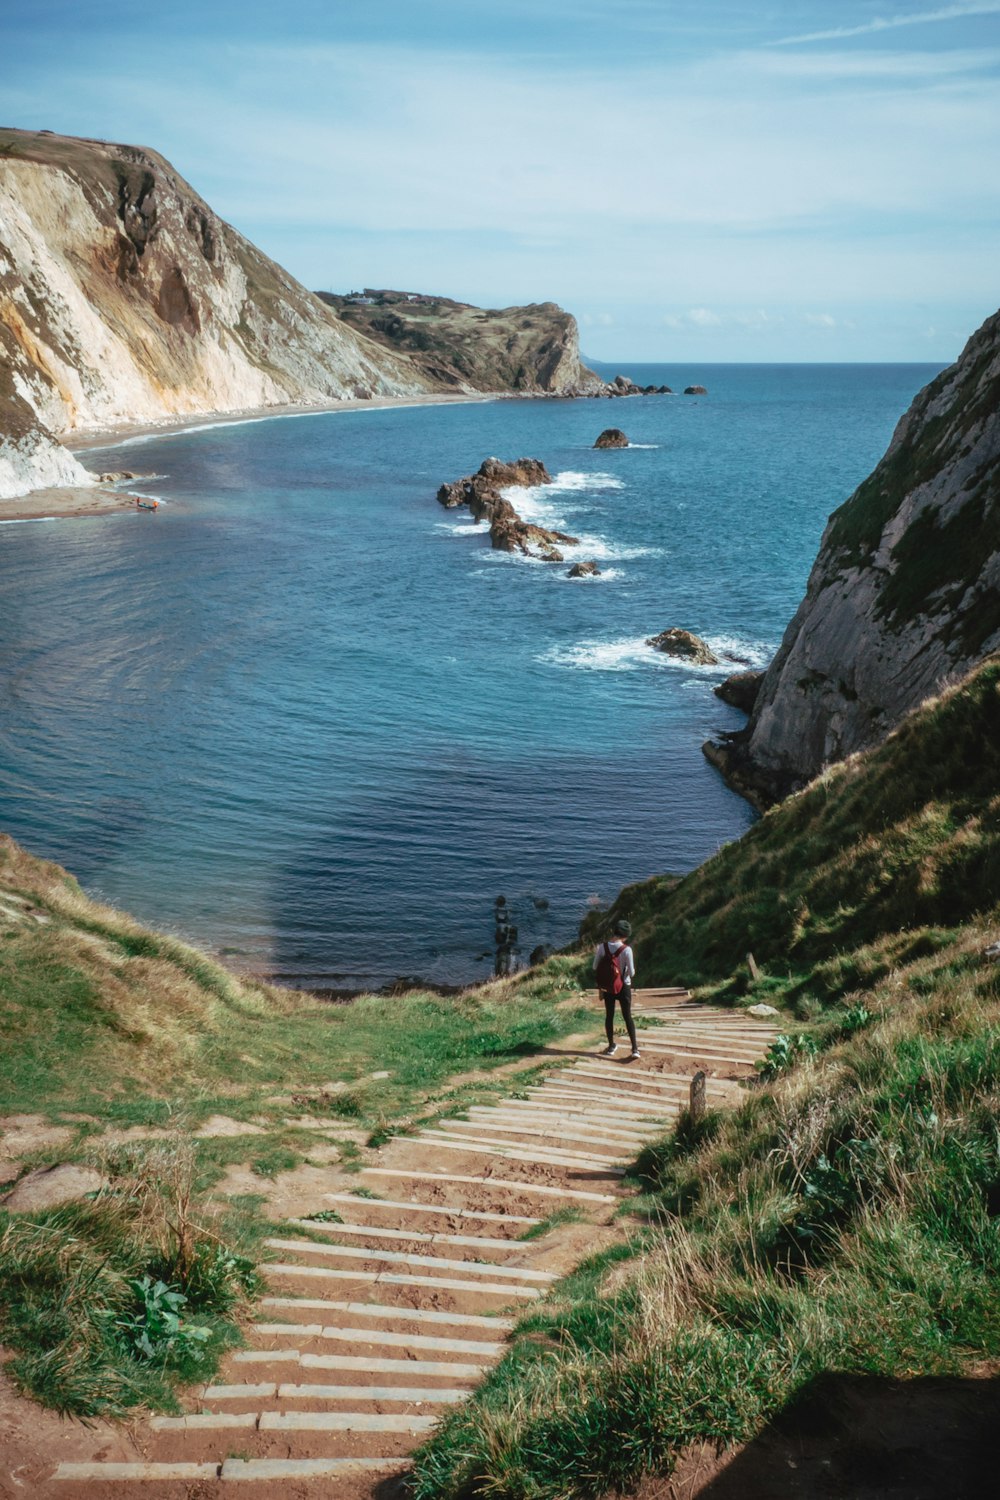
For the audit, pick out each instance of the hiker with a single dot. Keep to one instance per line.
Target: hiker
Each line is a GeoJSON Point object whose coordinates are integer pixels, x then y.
{"type": "Point", "coordinates": [505, 937]}
{"type": "Point", "coordinates": [614, 965]}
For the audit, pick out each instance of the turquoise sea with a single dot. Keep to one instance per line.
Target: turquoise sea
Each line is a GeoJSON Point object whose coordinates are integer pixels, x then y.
{"type": "Point", "coordinates": [309, 719]}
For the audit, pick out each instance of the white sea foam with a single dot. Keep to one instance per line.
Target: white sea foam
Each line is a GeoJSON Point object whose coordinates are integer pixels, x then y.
{"type": "Point", "coordinates": [644, 445]}
{"type": "Point", "coordinates": [569, 481]}
{"type": "Point", "coordinates": [30, 520]}
{"type": "Point", "coordinates": [632, 654]}
{"type": "Point", "coordinates": [737, 651]}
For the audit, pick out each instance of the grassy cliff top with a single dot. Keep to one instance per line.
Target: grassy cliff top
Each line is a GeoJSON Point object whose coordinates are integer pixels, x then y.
{"type": "Point", "coordinates": [532, 348]}
{"type": "Point", "coordinates": [877, 861]}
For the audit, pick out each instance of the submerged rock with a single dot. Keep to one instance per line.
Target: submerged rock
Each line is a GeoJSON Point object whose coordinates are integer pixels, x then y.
{"type": "Point", "coordinates": [684, 645]}
{"type": "Point", "coordinates": [740, 690]}
{"type": "Point", "coordinates": [612, 437]}
{"type": "Point", "coordinates": [584, 570]}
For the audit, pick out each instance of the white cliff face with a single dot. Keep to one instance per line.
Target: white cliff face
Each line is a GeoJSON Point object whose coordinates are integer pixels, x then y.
{"type": "Point", "coordinates": [36, 461]}
{"type": "Point", "coordinates": [124, 298]}
{"type": "Point", "coordinates": [905, 593]}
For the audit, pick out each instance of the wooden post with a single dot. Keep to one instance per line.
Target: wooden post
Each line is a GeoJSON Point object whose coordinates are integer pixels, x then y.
{"type": "Point", "coordinates": [752, 966]}
{"type": "Point", "coordinates": [697, 1106]}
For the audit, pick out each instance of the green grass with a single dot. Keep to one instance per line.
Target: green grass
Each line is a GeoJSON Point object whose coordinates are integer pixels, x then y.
{"type": "Point", "coordinates": [847, 1217]}
{"type": "Point", "coordinates": [128, 1028]}
{"type": "Point", "coordinates": [881, 859]}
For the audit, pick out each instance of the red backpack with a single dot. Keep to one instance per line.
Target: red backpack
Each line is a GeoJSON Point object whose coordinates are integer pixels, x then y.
{"type": "Point", "coordinates": [609, 975]}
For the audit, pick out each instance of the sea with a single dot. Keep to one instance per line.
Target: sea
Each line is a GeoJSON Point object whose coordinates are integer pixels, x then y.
{"type": "Point", "coordinates": [307, 718]}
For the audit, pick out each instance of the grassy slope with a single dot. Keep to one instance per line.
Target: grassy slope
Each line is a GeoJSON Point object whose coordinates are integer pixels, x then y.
{"type": "Point", "coordinates": [108, 1026]}
{"type": "Point", "coordinates": [457, 345]}
{"type": "Point", "coordinates": [847, 1218]}
{"type": "Point", "coordinates": [874, 863]}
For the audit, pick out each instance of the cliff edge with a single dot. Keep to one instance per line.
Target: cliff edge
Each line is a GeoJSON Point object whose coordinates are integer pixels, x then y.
{"type": "Point", "coordinates": [124, 298]}
{"type": "Point", "coordinates": [532, 350]}
{"type": "Point", "coordinates": [904, 596]}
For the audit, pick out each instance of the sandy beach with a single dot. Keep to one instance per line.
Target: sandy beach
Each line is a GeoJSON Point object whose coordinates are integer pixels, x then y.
{"type": "Point", "coordinates": [74, 502]}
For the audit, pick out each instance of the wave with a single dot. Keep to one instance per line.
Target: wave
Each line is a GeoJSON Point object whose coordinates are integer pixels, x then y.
{"type": "Point", "coordinates": [631, 654]}
{"type": "Point", "coordinates": [644, 445]}
{"type": "Point", "coordinates": [742, 651]}
{"type": "Point", "coordinates": [30, 520]}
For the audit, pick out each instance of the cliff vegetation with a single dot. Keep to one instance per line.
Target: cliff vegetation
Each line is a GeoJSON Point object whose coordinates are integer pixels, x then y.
{"type": "Point", "coordinates": [837, 1234]}
{"type": "Point", "coordinates": [529, 350]}
{"type": "Point", "coordinates": [904, 596]}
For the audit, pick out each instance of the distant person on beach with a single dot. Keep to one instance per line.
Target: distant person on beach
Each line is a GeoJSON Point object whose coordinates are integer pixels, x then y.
{"type": "Point", "coordinates": [614, 965]}
{"type": "Point", "coordinates": [505, 937]}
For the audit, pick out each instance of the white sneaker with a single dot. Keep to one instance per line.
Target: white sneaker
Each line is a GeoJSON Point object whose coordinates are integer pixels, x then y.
{"type": "Point", "coordinates": [610, 1050]}
{"type": "Point", "coordinates": [634, 1054]}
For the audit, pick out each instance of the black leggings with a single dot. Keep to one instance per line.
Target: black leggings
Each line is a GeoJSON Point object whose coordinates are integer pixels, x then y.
{"type": "Point", "coordinates": [624, 999]}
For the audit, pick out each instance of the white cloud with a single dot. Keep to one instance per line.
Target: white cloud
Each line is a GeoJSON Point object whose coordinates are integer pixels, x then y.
{"type": "Point", "coordinates": [891, 23]}
{"type": "Point", "coordinates": [819, 320]}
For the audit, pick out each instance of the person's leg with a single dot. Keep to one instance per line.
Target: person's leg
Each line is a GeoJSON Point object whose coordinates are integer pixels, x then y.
{"type": "Point", "coordinates": [609, 1018]}
{"type": "Point", "coordinates": [625, 1000]}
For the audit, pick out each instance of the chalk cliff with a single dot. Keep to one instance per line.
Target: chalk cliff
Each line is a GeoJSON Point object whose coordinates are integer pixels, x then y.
{"type": "Point", "coordinates": [125, 298]}
{"type": "Point", "coordinates": [904, 596]}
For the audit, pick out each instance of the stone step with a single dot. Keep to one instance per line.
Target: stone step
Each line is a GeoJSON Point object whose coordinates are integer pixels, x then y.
{"type": "Point", "coordinates": [441, 1395]}
{"type": "Point", "coordinates": [422, 1237]}
{"type": "Point", "coordinates": [430, 1208]}
{"type": "Point", "coordinates": [403, 1257]}
{"type": "Point", "coordinates": [543, 1189]}
{"type": "Point", "coordinates": [384, 1337]}
{"type": "Point", "coordinates": [647, 1079]}
{"type": "Point", "coordinates": [540, 1108]}
{"type": "Point", "coordinates": [535, 1158]}
{"type": "Point", "coordinates": [608, 1126]}
{"type": "Point", "coordinates": [504, 1127]}
{"type": "Point", "coordinates": [396, 1278]}
{"type": "Point", "coordinates": [446, 1369]}
{"type": "Point", "coordinates": [293, 1421]}
{"type": "Point", "coordinates": [714, 1051]}
{"type": "Point", "coordinates": [389, 1313]}
{"type": "Point", "coordinates": [652, 1113]}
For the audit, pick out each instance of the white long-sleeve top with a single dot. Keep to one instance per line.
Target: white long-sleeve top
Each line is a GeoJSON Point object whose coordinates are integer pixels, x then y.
{"type": "Point", "coordinates": [626, 960]}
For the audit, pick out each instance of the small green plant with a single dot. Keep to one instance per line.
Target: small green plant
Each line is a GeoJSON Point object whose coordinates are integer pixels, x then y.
{"type": "Point", "coordinates": [784, 1052]}
{"type": "Point", "coordinates": [854, 1019]}
{"type": "Point", "coordinates": [326, 1216]}
{"type": "Point", "coordinates": [157, 1330]}
{"type": "Point", "coordinates": [363, 1192]}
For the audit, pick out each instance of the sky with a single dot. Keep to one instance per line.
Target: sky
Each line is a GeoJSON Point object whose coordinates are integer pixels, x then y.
{"type": "Point", "coordinates": [697, 180]}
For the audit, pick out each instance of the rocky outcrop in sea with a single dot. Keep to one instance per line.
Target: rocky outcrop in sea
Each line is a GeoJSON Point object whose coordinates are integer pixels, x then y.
{"type": "Point", "coordinates": [904, 596]}
{"type": "Point", "coordinates": [685, 645]}
{"type": "Point", "coordinates": [611, 437]}
{"type": "Point", "coordinates": [509, 532]}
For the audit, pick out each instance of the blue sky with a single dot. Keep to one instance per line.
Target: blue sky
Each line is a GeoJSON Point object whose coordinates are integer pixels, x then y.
{"type": "Point", "coordinates": [695, 179]}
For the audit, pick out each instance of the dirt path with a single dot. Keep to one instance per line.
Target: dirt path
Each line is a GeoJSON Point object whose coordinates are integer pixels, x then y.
{"type": "Point", "coordinates": [386, 1311]}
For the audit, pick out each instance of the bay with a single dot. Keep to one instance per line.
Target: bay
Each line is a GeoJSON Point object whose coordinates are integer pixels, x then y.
{"type": "Point", "coordinates": [308, 719]}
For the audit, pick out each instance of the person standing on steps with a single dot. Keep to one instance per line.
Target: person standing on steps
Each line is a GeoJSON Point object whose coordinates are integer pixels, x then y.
{"type": "Point", "coordinates": [614, 965]}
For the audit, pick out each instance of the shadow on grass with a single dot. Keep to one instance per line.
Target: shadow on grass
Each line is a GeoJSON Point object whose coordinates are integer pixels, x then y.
{"type": "Point", "coordinates": [869, 1438]}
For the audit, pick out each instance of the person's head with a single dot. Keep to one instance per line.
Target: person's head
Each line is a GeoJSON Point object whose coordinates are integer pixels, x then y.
{"type": "Point", "coordinates": [622, 930]}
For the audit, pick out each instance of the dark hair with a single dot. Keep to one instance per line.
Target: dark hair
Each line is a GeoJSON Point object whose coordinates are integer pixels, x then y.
{"type": "Point", "coordinates": [622, 929]}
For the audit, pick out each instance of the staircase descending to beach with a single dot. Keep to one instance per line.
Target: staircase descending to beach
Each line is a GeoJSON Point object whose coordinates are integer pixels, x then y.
{"type": "Point", "coordinates": [375, 1325]}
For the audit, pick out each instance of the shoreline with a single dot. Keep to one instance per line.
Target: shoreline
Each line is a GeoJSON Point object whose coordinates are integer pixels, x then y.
{"type": "Point", "coordinates": [74, 502]}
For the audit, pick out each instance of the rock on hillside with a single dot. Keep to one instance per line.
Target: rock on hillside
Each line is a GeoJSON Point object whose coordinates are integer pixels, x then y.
{"type": "Point", "coordinates": [904, 596]}
{"type": "Point", "coordinates": [533, 349]}
{"type": "Point", "coordinates": [125, 298]}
